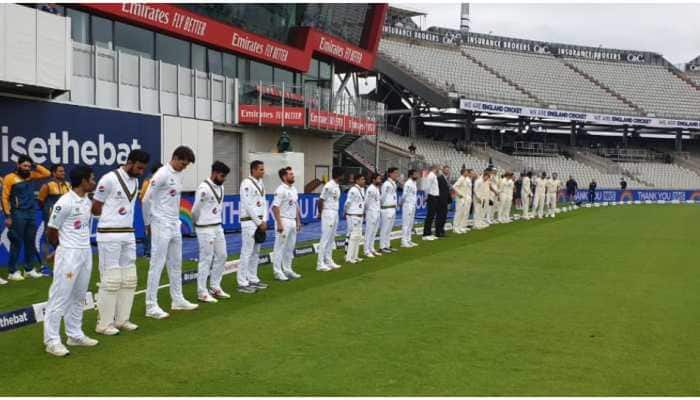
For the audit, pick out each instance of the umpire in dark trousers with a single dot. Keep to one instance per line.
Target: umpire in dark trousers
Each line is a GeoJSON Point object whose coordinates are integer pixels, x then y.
{"type": "Point", "coordinates": [443, 201]}
{"type": "Point", "coordinates": [431, 188]}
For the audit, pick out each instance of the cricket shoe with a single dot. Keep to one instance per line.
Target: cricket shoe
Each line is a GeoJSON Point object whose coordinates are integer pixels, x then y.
{"type": "Point", "coordinates": [246, 289]}
{"type": "Point", "coordinates": [369, 255]}
{"type": "Point", "coordinates": [127, 326]}
{"type": "Point", "coordinates": [334, 265]}
{"type": "Point", "coordinates": [57, 349]}
{"type": "Point", "coordinates": [259, 285]}
{"type": "Point", "coordinates": [385, 251]}
{"type": "Point", "coordinates": [431, 237]}
{"type": "Point", "coordinates": [83, 341]}
{"type": "Point", "coordinates": [15, 276]}
{"type": "Point", "coordinates": [323, 268]}
{"type": "Point", "coordinates": [183, 305]}
{"type": "Point", "coordinates": [206, 298]}
{"type": "Point", "coordinates": [376, 253]}
{"type": "Point", "coordinates": [219, 293]}
{"type": "Point", "coordinates": [281, 277]}
{"type": "Point", "coordinates": [156, 313]}
{"type": "Point", "coordinates": [32, 273]}
{"type": "Point", "coordinates": [46, 271]}
{"type": "Point", "coordinates": [406, 245]}
{"type": "Point", "coordinates": [108, 330]}
{"type": "Point", "coordinates": [292, 275]}
{"type": "Point", "coordinates": [3, 282]}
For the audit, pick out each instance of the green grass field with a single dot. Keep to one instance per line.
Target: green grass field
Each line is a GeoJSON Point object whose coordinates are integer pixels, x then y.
{"type": "Point", "coordinates": [596, 302]}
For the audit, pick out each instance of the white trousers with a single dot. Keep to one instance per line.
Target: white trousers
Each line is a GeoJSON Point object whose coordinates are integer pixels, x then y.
{"type": "Point", "coordinates": [71, 277]}
{"type": "Point", "coordinates": [250, 255]}
{"type": "Point", "coordinates": [526, 205]}
{"type": "Point", "coordinates": [354, 223]}
{"type": "Point", "coordinates": [388, 216]}
{"type": "Point", "coordinates": [408, 219]}
{"type": "Point", "coordinates": [212, 257]}
{"type": "Point", "coordinates": [538, 205]}
{"type": "Point", "coordinates": [117, 265]}
{"type": "Point", "coordinates": [285, 242]}
{"type": "Point", "coordinates": [371, 228]}
{"type": "Point", "coordinates": [462, 213]}
{"type": "Point", "coordinates": [480, 213]}
{"type": "Point", "coordinates": [329, 228]}
{"type": "Point", "coordinates": [166, 248]}
{"type": "Point", "coordinates": [551, 203]}
{"type": "Point", "coordinates": [506, 205]}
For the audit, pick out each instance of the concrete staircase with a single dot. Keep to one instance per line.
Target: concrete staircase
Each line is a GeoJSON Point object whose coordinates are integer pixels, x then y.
{"type": "Point", "coordinates": [690, 163]}
{"type": "Point", "coordinates": [500, 160]}
{"type": "Point", "coordinates": [603, 164]}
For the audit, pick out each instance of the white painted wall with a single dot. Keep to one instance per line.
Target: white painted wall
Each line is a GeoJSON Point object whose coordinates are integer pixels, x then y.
{"type": "Point", "coordinates": [196, 134]}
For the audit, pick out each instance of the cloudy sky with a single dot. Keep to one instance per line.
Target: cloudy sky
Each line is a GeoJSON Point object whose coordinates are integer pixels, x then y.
{"type": "Point", "coordinates": [669, 29]}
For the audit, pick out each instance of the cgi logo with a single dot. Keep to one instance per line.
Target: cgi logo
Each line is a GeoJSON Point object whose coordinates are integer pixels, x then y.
{"type": "Point", "coordinates": [635, 58]}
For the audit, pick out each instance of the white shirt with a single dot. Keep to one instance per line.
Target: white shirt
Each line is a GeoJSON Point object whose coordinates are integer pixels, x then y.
{"type": "Point", "coordinates": [463, 187]}
{"type": "Point", "coordinates": [493, 187]}
{"type": "Point", "coordinates": [410, 193]}
{"type": "Point", "coordinates": [355, 203]}
{"type": "Point", "coordinates": [388, 197]}
{"type": "Point", "coordinates": [540, 185]}
{"type": "Point", "coordinates": [481, 189]}
{"type": "Point", "coordinates": [372, 199]}
{"type": "Point", "coordinates": [330, 194]}
{"type": "Point", "coordinates": [119, 198]}
{"type": "Point", "coordinates": [507, 188]}
{"type": "Point", "coordinates": [526, 190]}
{"type": "Point", "coordinates": [553, 185]}
{"type": "Point", "coordinates": [431, 187]}
{"type": "Point", "coordinates": [253, 203]}
{"type": "Point", "coordinates": [72, 218]}
{"type": "Point", "coordinates": [161, 203]}
{"type": "Point", "coordinates": [286, 199]}
{"type": "Point", "coordinates": [208, 201]}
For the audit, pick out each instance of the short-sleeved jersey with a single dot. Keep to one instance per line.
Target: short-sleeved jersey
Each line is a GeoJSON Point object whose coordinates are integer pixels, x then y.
{"type": "Point", "coordinates": [552, 185]}
{"type": "Point", "coordinates": [330, 194]}
{"type": "Point", "coordinates": [540, 186]}
{"type": "Point", "coordinates": [72, 218]}
{"type": "Point", "coordinates": [286, 199]}
{"type": "Point", "coordinates": [162, 200]}
{"type": "Point", "coordinates": [118, 192]}
{"type": "Point", "coordinates": [208, 204]}
{"type": "Point", "coordinates": [253, 203]}
{"type": "Point", "coordinates": [388, 198]}
{"type": "Point", "coordinates": [355, 203]}
{"type": "Point", "coordinates": [372, 196]}
{"type": "Point", "coordinates": [410, 193]}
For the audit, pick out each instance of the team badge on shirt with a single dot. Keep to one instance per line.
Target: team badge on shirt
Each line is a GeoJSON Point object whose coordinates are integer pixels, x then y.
{"type": "Point", "coordinates": [214, 210]}
{"type": "Point", "coordinates": [172, 192]}
{"type": "Point", "coordinates": [122, 211]}
{"type": "Point", "coordinates": [77, 224]}
{"type": "Point", "coordinates": [101, 189]}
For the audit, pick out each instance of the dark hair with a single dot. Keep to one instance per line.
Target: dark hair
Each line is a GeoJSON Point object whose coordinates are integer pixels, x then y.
{"type": "Point", "coordinates": [79, 174]}
{"type": "Point", "coordinates": [373, 176]}
{"type": "Point", "coordinates": [138, 156]}
{"type": "Point", "coordinates": [218, 166]}
{"type": "Point", "coordinates": [529, 174]}
{"type": "Point", "coordinates": [23, 159]}
{"type": "Point", "coordinates": [184, 153]}
{"type": "Point", "coordinates": [411, 172]}
{"type": "Point", "coordinates": [255, 164]}
{"type": "Point", "coordinates": [391, 170]}
{"type": "Point", "coordinates": [155, 167]}
{"type": "Point", "coordinates": [360, 176]}
{"type": "Point", "coordinates": [55, 167]}
{"type": "Point", "coordinates": [337, 172]}
{"type": "Point", "coordinates": [283, 172]}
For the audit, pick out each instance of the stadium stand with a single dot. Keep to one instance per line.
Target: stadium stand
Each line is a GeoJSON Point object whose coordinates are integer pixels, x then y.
{"type": "Point", "coordinates": [566, 167]}
{"type": "Point", "coordinates": [667, 176]}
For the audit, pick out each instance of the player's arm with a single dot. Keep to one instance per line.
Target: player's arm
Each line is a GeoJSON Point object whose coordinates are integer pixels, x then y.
{"type": "Point", "coordinates": [40, 172]}
{"type": "Point", "coordinates": [104, 189]}
{"type": "Point", "coordinates": [43, 194]}
{"type": "Point", "coordinates": [298, 219]}
{"type": "Point", "coordinates": [157, 183]}
{"type": "Point", "coordinates": [276, 201]}
{"type": "Point", "coordinates": [199, 197]}
{"type": "Point", "coordinates": [321, 199]}
{"type": "Point", "coordinates": [8, 183]}
{"type": "Point", "coordinates": [58, 216]}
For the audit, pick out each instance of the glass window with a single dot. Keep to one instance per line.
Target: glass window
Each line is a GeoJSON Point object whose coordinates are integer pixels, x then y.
{"type": "Point", "coordinates": [214, 61]}
{"type": "Point", "coordinates": [173, 51]}
{"type": "Point", "coordinates": [199, 58]}
{"type": "Point", "coordinates": [282, 75]}
{"type": "Point", "coordinates": [79, 26]}
{"type": "Point", "coordinates": [260, 72]}
{"type": "Point", "coordinates": [102, 33]}
{"type": "Point", "coordinates": [134, 40]}
{"type": "Point", "coordinates": [230, 62]}
{"type": "Point", "coordinates": [243, 71]}
{"type": "Point", "coordinates": [324, 70]}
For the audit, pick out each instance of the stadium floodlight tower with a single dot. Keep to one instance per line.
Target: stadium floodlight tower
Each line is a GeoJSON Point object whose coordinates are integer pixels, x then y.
{"type": "Point", "coordinates": [464, 18]}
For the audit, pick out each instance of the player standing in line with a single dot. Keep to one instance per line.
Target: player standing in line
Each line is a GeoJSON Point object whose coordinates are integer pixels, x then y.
{"type": "Point", "coordinates": [207, 218]}
{"type": "Point", "coordinates": [526, 195]}
{"type": "Point", "coordinates": [463, 190]}
{"type": "Point", "coordinates": [408, 208]}
{"type": "Point", "coordinates": [114, 203]}
{"type": "Point", "coordinates": [254, 217]}
{"type": "Point", "coordinates": [540, 191]}
{"type": "Point", "coordinates": [354, 214]}
{"type": "Point", "coordinates": [69, 232]}
{"type": "Point", "coordinates": [553, 185]}
{"type": "Point", "coordinates": [494, 200]}
{"type": "Point", "coordinates": [506, 196]}
{"type": "Point", "coordinates": [372, 215]}
{"type": "Point", "coordinates": [49, 194]}
{"type": "Point", "coordinates": [161, 214]}
{"type": "Point", "coordinates": [388, 210]}
{"type": "Point", "coordinates": [144, 188]}
{"type": "Point", "coordinates": [481, 194]}
{"type": "Point", "coordinates": [328, 210]}
{"type": "Point", "coordinates": [285, 208]}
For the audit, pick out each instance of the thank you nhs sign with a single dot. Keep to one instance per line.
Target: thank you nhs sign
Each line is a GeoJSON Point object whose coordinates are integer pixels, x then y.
{"type": "Point", "coordinates": [53, 133]}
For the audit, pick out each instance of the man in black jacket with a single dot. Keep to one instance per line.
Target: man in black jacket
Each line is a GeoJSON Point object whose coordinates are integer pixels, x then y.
{"type": "Point", "coordinates": [591, 191]}
{"type": "Point", "coordinates": [444, 201]}
{"type": "Point", "coordinates": [571, 186]}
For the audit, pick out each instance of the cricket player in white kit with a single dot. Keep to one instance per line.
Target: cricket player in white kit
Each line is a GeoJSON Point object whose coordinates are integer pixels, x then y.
{"type": "Point", "coordinates": [481, 198]}
{"type": "Point", "coordinates": [408, 208]}
{"type": "Point", "coordinates": [526, 195]}
{"type": "Point", "coordinates": [69, 231]}
{"type": "Point", "coordinates": [540, 191]}
{"type": "Point", "coordinates": [328, 209]}
{"type": "Point", "coordinates": [253, 220]}
{"type": "Point", "coordinates": [388, 201]}
{"type": "Point", "coordinates": [506, 196]}
{"type": "Point", "coordinates": [161, 214]}
{"type": "Point", "coordinates": [463, 190]}
{"type": "Point", "coordinates": [207, 218]}
{"type": "Point", "coordinates": [372, 215]}
{"type": "Point", "coordinates": [114, 203]}
{"type": "Point", "coordinates": [285, 208]}
{"type": "Point", "coordinates": [354, 215]}
{"type": "Point", "coordinates": [493, 203]}
{"type": "Point", "coordinates": [553, 185]}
